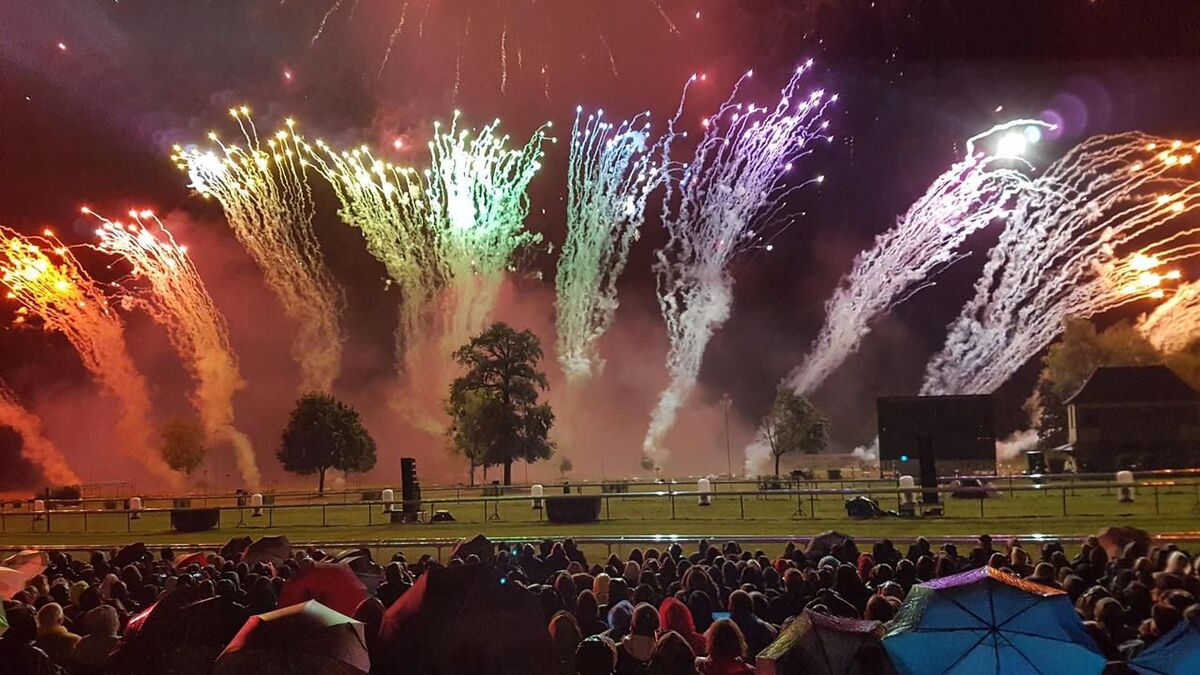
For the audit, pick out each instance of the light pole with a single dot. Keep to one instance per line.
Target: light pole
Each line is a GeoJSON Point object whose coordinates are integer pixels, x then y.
{"type": "Point", "coordinates": [728, 401]}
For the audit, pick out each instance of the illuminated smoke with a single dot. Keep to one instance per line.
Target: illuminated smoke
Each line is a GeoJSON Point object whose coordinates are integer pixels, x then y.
{"type": "Point", "coordinates": [35, 447]}
{"type": "Point", "coordinates": [611, 174]}
{"type": "Point", "coordinates": [268, 204]}
{"type": "Point", "coordinates": [1095, 232]}
{"type": "Point", "coordinates": [168, 287]}
{"type": "Point", "coordinates": [1175, 324]}
{"type": "Point", "coordinates": [978, 190]}
{"type": "Point", "coordinates": [735, 179]}
{"type": "Point", "coordinates": [43, 276]}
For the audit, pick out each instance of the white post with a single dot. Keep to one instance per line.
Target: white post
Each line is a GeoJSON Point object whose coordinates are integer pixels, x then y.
{"type": "Point", "coordinates": [537, 491]}
{"type": "Point", "coordinates": [387, 496]}
{"type": "Point", "coordinates": [256, 502]}
{"type": "Point", "coordinates": [704, 487]}
{"type": "Point", "coordinates": [1125, 486]}
{"type": "Point", "coordinates": [135, 507]}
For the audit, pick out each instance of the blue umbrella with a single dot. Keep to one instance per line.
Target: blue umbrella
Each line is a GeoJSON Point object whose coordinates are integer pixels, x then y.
{"type": "Point", "coordinates": [1176, 652]}
{"type": "Point", "coordinates": [987, 621]}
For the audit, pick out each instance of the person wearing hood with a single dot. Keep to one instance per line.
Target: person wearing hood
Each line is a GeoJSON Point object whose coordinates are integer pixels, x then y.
{"type": "Point", "coordinates": [52, 636]}
{"type": "Point", "coordinates": [92, 652]}
{"type": "Point", "coordinates": [620, 616]}
{"type": "Point", "coordinates": [564, 633]}
{"type": "Point", "coordinates": [600, 588]}
{"type": "Point", "coordinates": [671, 656]}
{"type": "Point", "coordinates": [727, 651]}
{"type": "Point", "coordinates": [678, 618]}
{"type": "Point", "coordinates": [633, 653]}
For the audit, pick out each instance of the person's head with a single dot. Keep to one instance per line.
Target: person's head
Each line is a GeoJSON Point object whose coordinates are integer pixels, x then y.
{"type": "Point", "coordinates": [586, 605]}
{"type": "Point", "coordinates": [740, 603]}
{"type": "Point", "coordinates": [102, 621]}
{"type": "Point", "coordinates": [672, 655]}
{"type": "Point", "coordinates": [21, 625]}
{"type": "Point", "coordinates": [619, 618]}
{"type": "Point", "coordinates": [725, 640]}
{"type": "Point", "coordinates": [1109, 612]}
{"type": "Point", "coordinates": [645, 620]}
{"type": "Point", "coordinates": [879, 609]}
{"type": "Point", "coordinates": [596, 655]}
{"type": "Point", "coordinates": [564, 632]}
{"type": "Point", "coordinates": [49, 617]}
{"type": "Point", "coordinates": [600, 588]}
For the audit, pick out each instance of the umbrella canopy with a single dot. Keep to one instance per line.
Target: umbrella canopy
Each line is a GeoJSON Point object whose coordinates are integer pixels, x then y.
{"type": "Point", "coordinates": [1115, 539]}
{"type": "Point", "coordinates": [235, 547]}
{"type": "Point", "coordinates": [822, 544]}
{"type": "Point", "coordinates": [129, 555]}
{"type": "Point", "coordinates": [178, 635]}
{"type": "Point", "coordinates": [272, 550]}
{"type": "Point", "coordinates": [1176, 652]}
{"type": "Point", "coordinates": [184, 559]}
{"type": "Point", "coordinates": [359, 560]}
{"type": "Point", "coordinates": [478, 545]}
{"type": "Point", "coordinates": [819, 644]}
{"type": "Point", "coordinates": [17, 569]}
{"type": "Point", "coordinates": [307, 638]}
{"type": "Point", "coordinates": [987, 621]}
{"type": "Point", "coordinates": [332, 584]}
{"type": "Point", "coordinates": [465, 620]}
{"type": "Point", "coordinates": [3, 620]}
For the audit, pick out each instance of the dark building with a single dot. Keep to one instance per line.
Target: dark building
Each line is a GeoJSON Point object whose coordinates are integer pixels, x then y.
{"type": "Point", "coordinates": [1134, 417]}
{"type": "Point", "coordinates": [958, 432]}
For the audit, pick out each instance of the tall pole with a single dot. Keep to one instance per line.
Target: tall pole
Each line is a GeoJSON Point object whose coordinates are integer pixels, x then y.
{"type": "Point", "coordinates": [728, 454]}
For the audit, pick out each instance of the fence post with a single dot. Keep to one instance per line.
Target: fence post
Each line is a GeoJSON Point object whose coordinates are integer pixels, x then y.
{"type": "Point", "coordinates": [1064, 500]}
{"type": "Point", "coordinates": [812, 504]}
{"type": "Point", "coordinates": [742, 504]}
{"type": "Point", "coordinates": [672, 495]}
{"type": "Point", "coordinates": [1156, 512]}
{"type": "Point", "coordinates": [981, 496]}
{"type": "Point", "coordinates": [322, 514]}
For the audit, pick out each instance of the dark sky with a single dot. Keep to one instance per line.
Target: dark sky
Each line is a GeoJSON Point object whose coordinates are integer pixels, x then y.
{"type": "Point", "coordinates": [91, 121]}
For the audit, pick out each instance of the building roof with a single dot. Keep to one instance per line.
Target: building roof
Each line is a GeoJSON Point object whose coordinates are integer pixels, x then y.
{"type": "Point", "coordinates": [1134, 384]}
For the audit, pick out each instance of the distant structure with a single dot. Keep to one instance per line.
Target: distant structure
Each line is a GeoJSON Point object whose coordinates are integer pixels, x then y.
{"type": "Point", "coordinates": [1134, 417]}
{"type": "Point", "coordinates": [922, 435]}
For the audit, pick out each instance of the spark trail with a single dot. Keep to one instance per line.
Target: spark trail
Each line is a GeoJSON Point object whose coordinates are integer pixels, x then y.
{"type": "Point", "coordinates": [173, 294]}
{"type": "Point", "coordinates": [269, 207]}
{"type": "Point", "coordinates": [45, 278]}
{"type": "Point", "coordinates": [1093, 234]}
{"type": "Point", "coordinates": [977, 190]}
{"type": "Point", "coordinates": [611, 173]}
{"type": "Point", "coordinates": [1175, 324]}
{"type": "Point", "coordinates": [35, 447]}
{"type": "Point", "coordinates": [390, 206]}
{"type": "Point", "coordinates": [735, 178]}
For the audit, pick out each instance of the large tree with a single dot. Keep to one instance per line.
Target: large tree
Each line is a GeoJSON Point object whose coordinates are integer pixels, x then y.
{"type": "Point", "coordinates": [1069, 362]}
{"type": "Point", "coordinates": [323, 433]}
{"type": "Point", "coordinates": [184, 445]}
{"type": "Point", "coordinates": [793, 424]}
{"type": "Point", "coordinates": [494, 405]}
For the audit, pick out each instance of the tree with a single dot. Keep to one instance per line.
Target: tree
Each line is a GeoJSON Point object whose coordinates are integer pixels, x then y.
{"type": "Point", "coordinates": [508, 423]}
{"type": "Point", "coordinates": [1069, 362]}
{"type": "Point", "coordinates": [323, 433]}
{"type": "Point", "coordinates": [793, 424]}
{"type": "Point", "coordinates": [565, 466]}
{"type": "Point", "coordinates": [183, 445]}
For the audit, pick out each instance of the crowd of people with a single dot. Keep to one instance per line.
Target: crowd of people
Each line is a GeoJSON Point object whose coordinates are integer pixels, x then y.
{"type": "Point", "coordinates": [668, 611]}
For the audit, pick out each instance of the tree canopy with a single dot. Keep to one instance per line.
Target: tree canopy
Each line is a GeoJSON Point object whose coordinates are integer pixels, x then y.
{"type": "Point", "coordinates": [793, 424]}
{"type": "Point", "coordinates": [183, 445]}
{"type": "Point", "coordinates": [323, 433]}
{"type": "Point", "coordinates": [494, 410]}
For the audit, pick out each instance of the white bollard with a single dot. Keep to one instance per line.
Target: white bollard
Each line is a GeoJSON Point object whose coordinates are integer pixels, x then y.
{"type": "Point", "coordinates": [388, 496]}
{"type": "Point", "coordinates": [537, 491]}
{"type": "Point", "coordinates": [704, 487]}
{"type": "Point", "coordinates": [1125, 486]}
{"type": "Point", "coordinates": [907, 494]}
{"type": "Point", "coordinates": [39, 508]}
{"type": "Point", "coordinates": [256, 502]}
{"type": "Point", "coordinates": [135, 507]}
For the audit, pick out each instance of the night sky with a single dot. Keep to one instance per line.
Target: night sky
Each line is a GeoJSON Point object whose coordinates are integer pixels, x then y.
{"type": "Point", "coordinates": [93, 93]}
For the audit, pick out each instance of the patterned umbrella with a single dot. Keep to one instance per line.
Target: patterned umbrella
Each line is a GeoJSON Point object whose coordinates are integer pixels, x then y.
{"type": "Point", "coordinates": [1176, 652]}
{"type": "Point", "coordinates": [819, 644]}
{"type": "Point", "coordinates": [307, 638]}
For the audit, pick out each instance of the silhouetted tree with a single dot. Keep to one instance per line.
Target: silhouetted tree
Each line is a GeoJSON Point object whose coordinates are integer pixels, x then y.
{"type": "Point", "coordinates": [323, 433]}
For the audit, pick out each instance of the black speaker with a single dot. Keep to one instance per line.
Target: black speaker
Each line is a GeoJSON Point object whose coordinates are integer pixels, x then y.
{"type": "Point", "coordinates": [926, 457]}
{"type": "Point", "coordinates": [573, 509]}
{"type": "Point", "coordinates": [410, 487]}
{"type": "Point", "coordinates": [195, 520]}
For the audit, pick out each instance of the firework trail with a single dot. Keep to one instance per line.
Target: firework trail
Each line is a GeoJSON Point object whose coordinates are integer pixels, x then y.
{"type": "Point", "coordinates": [266, 199]}
{"type": "Point", "coordinates": [390, 206]}
{"type": "Point", "coordinates": [1175, 324]}
{"type": "Point", "coordinates": [974, 192]}
{"type": "Point", "coordinates": [735, 179]}
{"type": "Point", "coordinates": [35, 447]}
{"type": "Point", "coordinates": [1092, 234]}
{"type": "Point", "coordinates": [174, 296]}
{"type": "Point", "coordinates": [611, 173]}
{"type": "Point", "coordinates": [44, 277]}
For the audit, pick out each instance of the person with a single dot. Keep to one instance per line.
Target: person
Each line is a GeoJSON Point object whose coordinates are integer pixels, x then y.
{"type": "Point", "coordinates": [672, 655]}
{"type": "Point", "coordinates": [633, 653]}
{"type": "Point", "coordinates": [564, 633]}
{"type": "Point", "coordinates": [676, 617]}
{"type": "Point", "coordinates": [52, 636]}
{"type": "Point", "coordinates": [18, 654]}
{"type": "Point", "coordinates": [758, 633]}
{"type": "Point", "coordinates": [92, 652]}
{"type": "Point", "coordinates": [619, 618]}
{"type": "Point", "coordinates": [596, 655]}
{"type": "Point", "coordinates": [726, 648]}
{"type": "Point", "coordinates": [587, 614]}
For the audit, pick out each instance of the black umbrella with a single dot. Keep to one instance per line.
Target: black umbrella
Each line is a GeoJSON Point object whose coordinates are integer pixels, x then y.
{"type": "Point", "coordinates": [178, 635]}
{"type": "Point", "coordinates": [306, 638]}
{"type": "Point", "coordinates": [364, 567]}
{"type": "Point", "coordinates": [272, 550]}
{"type": "Point", "coordinates": [478, 545]}
{"type": "Point", "coordinates": [129, 555]}
{"type": "Point", "coordinates": [235, 547]}
{"type": "Point", "coordinates": [822, 544]}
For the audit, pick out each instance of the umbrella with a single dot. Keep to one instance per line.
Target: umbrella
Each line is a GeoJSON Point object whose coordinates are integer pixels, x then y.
{"type": "Point", "coordinates": [18, 569]}
{"type": "Point", "coordinates": [1176, 652]}
{"type": "Point", "coordinates": [235, 547]}
{"type": "Point", "coordinates": [178, 635]}
{"type": "Point", "coordinates": [364, 567]}
{"type": "Point", "coordinates": [1115, 539]}
{"type": "Point", "coordinates": [184, 559]}
{"type": "Point", "coordinates": [819, 644]}
{"type": "Point", "coordinates": [822, 544]}
{"type": "Point", "coordinates": [3, 620]}
{"type": "Point", "coordinates": [332, 584]}
{"type": "Point", "coordinates": [129, 555]}
{"type": "Point", "coordinates": [987, 621]}
{"type": "Point", "coordinates": [478, 545]}
{"type": "Point", "coordinates": [272, 550]}
{"type": "Point", "coordinates": [464, 620]}
{"type": "Point", "coordinates": [307, 638]}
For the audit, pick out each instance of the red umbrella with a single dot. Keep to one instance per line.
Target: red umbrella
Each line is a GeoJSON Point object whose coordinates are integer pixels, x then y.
{"type": "Point", "coordinates": [307, 638]}
{"type": "Point", "coordinates": [184, 559]}
{"type": "Point", "coordinates": [272, 550]}
{"type": "Point", "coordinates": [332, 584]}
{"type": "Point", "coordinates": [17, 569]}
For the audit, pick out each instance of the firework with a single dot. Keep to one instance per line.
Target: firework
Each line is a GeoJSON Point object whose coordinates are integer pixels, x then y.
{"type": "Point", "coordinates": [35, 447]}
{"type": "Point", "coordinates": [976, 191]}
{"type": "Point", "coordinates": [612, 172]}
{"type": "Point", "coordinates": [1095, 232]}
{"type": "Point", "coordinates": [737, 177]}
{"type": "Point", "coordinates": [390, 206]}
{"type": "Point", "coordinates": [171, 292]}
{"type": "Point", "coordinates": [46, 280]}
{"type": "Point", "coordinates": [1175, 324]}
{"type": "Point", "coordinates": [262, 188]}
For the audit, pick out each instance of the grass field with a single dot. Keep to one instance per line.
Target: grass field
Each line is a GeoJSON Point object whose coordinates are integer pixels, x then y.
{"type": "Point", "coordinates": [1057, 510]}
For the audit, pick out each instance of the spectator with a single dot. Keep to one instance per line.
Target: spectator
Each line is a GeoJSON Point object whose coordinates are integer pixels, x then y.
{"type": "Point", "coordinates": [726, 648]}
{"type": "Point", "coordinates": [564, 633]}
{"type": "Point", "coordinates": [757, 633]}
{"type": "Point", "coordinates": [92, 652]}
{"type": "Point", "coordinates": [676, 618]}
{"type": "Point", "coordinates": [596, 655]}
{"type": "Point", "coordinates": [672, 655]}
{"type": "Point", "coordinates": [634, 650]}
{"type": "Point", "coordinates": [619, 619]}
{"type": "Point", "coordinates": [18, 654]}
{"type": "Point", "coordinates": [587, 614]}
{"type": "Point", "coordinates": [52, 636]}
